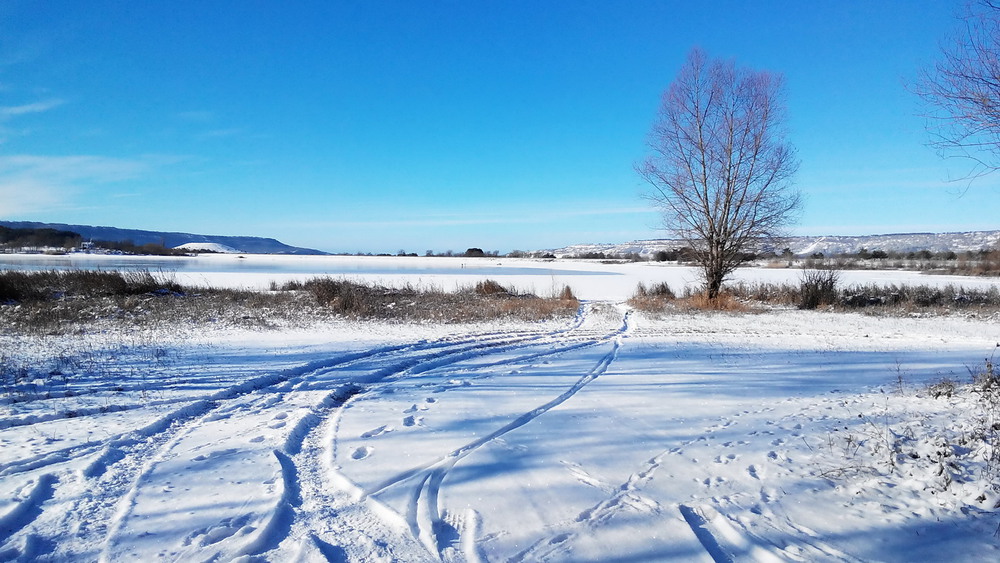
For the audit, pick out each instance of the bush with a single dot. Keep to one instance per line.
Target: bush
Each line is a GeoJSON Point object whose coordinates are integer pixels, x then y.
{"type": "Point", "coordinates": [490, 287]}
{"type": "Point", "coordinates": [52, 284]}
{"type": "Point", "coordinates": [652, 299]}
{"type": "Point", "coordinates": [919, 296]}
{"type": "Point", "coordinates": [567, 294]}
{"type": "Point", "coordinates": [661, 290]}
{"type": "Point", "coordinates": [725, 301]}
{"type": "Point", "coordinates": [762, 292]}
{"type": "Point", "coordinates": [818, 287]}
{"type": "Point", "coordinates": [486, 300]}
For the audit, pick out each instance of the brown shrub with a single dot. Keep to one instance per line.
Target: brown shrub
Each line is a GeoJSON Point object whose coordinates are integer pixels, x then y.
{"type": "Point", "coordinates": [654, 299]}
{"type": "Point", "coordinates": [491, 287]}
{"type": "Point", "coordinates": [724, 302]}
{"type": "Point", "coordinates": [567, 294]}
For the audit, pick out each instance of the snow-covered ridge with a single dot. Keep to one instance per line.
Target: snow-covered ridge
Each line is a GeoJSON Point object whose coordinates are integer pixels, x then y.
{"type": "Point", "coordinates": [241, 244]}
{"type": "Point", "coordinates": [828, 245]}
{"type": "Point", "coordinates": [208, 247]}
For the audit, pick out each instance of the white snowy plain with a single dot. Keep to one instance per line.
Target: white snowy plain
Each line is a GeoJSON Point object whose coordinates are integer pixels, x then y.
{"type": "Point", "coordinates": [613, 436]}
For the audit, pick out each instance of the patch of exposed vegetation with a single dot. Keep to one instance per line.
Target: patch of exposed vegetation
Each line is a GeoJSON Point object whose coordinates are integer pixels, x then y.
{"type": "Point", "coordinates": [62, 302]}
{"type": "Point", "coordinates": [485, 300]}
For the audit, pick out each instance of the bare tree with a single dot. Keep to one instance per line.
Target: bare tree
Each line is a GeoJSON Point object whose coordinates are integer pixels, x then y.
{"type": "Point", "coordinates": [962, 91]}
{"type": "Point", "coordinates": [719, 166]}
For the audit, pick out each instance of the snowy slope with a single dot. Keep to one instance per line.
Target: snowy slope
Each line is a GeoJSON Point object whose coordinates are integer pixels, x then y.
{"type": "Point", "coordinates": [208, 246]}
{"type": "Point", "coordinates": [256, 245]}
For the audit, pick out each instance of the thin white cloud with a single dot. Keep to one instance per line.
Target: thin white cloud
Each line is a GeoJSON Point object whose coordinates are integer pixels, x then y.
{"type": "Point", "coordinates": [31, 184]}
{"type": "Point", "coordinates": [7, 112]}
{"type": "Point", "coordinates": [24, 195]}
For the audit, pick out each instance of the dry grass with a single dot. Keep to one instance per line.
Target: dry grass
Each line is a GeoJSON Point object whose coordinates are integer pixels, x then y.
{"type": "Point", "coordinates": [71, 302]}
{"type": "Point", "coordinates": [725, 302]}
{"type": "Point", "coordinates": [822, 291]}
{"type": "Point", "coordinates": [655, 299]}
{"type": "Point", "coordinates": [659, 298]}
{"type": "Point", "coordinates": [53, 284]}
{"type": "Point", "coordinates": [486, 300]}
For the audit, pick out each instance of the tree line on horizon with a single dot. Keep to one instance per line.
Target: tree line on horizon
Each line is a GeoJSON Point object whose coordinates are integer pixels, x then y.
{"type": "Point", "coordinates": [48, 238]}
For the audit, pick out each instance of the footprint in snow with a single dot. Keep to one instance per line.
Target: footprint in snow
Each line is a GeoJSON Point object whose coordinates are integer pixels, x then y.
{"type": "Point", "coordinates": [257, 439]}
{"type": "Point", "coordinates": [209, 535]}
{"type": "Point", "coordinates": [378, 431]}
{"type": "Point", "coordinates": [766, 496]}
{"type": "Point", "coordinates": [362, 452]}
{"type": "Point", "coordinates": [413, 421]}
{"type": "Point", "coordinates": [215, 454]}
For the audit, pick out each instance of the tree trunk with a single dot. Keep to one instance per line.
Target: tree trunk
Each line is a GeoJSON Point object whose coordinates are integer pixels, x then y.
{"type": "Point", "coordinates": [713, 284]}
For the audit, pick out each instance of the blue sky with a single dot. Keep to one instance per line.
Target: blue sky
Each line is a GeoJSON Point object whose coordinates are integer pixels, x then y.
{"type": "Point", "coordinates": [387, 125]}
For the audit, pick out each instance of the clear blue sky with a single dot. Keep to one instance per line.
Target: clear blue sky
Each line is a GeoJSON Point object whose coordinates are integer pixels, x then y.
{"type": "Point", "coordinates": [387, 125]}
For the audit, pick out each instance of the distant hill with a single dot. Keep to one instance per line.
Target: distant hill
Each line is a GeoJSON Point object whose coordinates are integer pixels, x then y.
{"type": "Point", "coordinates": [247, 245]}
{"type": "Point", "coordinates": [828, 245]}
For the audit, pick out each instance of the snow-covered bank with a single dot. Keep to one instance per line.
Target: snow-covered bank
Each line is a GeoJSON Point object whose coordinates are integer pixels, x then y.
{"type": "Point", "coordinates": [608, 437]}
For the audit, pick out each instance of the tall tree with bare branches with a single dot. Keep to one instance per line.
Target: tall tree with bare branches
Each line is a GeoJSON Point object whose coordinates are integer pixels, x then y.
{"type": "Point", "coordinates": [719, 166]}
{"type": "Point", "coordinates": [962, 91]}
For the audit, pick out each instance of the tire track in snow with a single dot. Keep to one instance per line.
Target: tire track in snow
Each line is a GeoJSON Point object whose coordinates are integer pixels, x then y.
{"type": "Point", "coordinates": [417, 357]}
{"type": "Point", "coordinates": [119, 462]}
{"type": "Point", "coordinates": [729, 535]}
{"type": "Point", "coordinates": [124, 454]}
{"type": "Point", "coordinates": [28, 508]}
{"type": "Point", "coordinates": [425, 516]}
{"type": "Point", "coordinates": [726, 540]}
{"type": "Point", "coordinates": [326, 487]}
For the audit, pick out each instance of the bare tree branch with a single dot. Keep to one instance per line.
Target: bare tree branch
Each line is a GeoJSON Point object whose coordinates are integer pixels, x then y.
{"type": "Point", "coordinates": [962, 92]}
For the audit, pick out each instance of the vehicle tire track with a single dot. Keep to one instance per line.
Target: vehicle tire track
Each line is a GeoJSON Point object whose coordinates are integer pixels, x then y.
{"type": "Point", "coordinates": [424, 512]}
{"type": "Point", "coordinates": [122, 460]}
{"type": "Point", "coordinates": [163, 435]}
{"type": "Point", "coordinates": [329, 410]}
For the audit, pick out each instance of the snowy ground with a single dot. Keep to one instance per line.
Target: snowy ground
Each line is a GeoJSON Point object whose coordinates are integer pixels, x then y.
{"type": "Point", "coordinates": [786, 435]}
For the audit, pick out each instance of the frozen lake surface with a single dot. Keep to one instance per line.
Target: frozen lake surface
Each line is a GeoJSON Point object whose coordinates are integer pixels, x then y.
{"type": "Point", "coordinates": [284, 265]}
{"type": "Point", "coordinates": [589, 279]}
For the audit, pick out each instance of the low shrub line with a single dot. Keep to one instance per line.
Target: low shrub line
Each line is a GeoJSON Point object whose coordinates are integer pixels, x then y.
{"type": "Point", "coordinates": [485, 300]}
{"type": "Point", "coordinates": [822, 288]}
{"type": "Point", "coordinates": [49, 302]}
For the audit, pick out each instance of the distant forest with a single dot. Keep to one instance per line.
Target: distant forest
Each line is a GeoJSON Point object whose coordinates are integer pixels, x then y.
{"type": "Point", "coordinates": [52, 238]}
{"type": "Point", "coordinates": [27, 238]}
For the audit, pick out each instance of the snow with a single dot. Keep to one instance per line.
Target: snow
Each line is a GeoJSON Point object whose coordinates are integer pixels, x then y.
{"type": "Point", "coordinates": [972, 241]}
{"type": "Point", "coordinates": [208, 246]}
{"type": "Point", "coordinates": [777, 436]}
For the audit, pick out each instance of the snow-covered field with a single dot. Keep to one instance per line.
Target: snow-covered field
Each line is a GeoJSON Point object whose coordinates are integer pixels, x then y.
{"type": "Point", "coordinates": [612, 436]}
